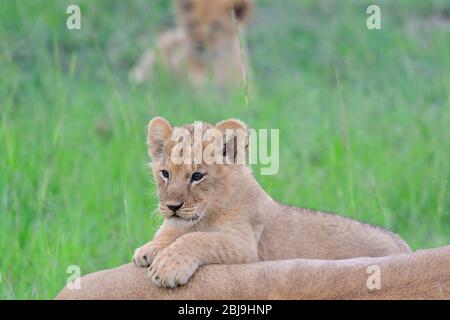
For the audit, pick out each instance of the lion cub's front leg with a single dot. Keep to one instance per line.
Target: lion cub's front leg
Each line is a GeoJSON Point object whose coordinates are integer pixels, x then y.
{"type": "Point", "coordinates": [143, 256]}
{"type": "Point", "coordinates": [176, 264]}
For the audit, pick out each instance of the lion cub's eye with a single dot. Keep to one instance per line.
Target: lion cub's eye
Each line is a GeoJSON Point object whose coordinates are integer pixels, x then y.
{"type": "Point", "coordinates": [197, 176]}
{"type": "Point", "coordinates": [165, 174]}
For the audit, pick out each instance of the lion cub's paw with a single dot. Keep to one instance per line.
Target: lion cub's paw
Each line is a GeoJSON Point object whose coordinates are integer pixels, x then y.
{"type": "Point", "coordinates": [170, 269]}
{"type": "Point", "coordinates": [143, 256]}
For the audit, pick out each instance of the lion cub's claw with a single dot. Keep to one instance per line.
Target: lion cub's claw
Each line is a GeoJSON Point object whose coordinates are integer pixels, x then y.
{"type": "Point", "coordinates": [143, 256]}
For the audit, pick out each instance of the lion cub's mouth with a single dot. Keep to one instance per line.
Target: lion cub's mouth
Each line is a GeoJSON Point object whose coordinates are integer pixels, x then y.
{"type": "Point", "coordinates": [189, 219]}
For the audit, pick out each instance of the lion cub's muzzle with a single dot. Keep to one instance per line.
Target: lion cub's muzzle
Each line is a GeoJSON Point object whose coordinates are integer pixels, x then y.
{"type": "Point", "coordinates": [180, 211]}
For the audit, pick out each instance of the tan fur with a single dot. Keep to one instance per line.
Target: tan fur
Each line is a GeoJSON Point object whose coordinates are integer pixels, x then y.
{"type": "Point", "coordinates": [204, 45]}
{"type": "Point", "coordinates": [424, 274]}
{"type": "Point", "coordinates": [227, 218]}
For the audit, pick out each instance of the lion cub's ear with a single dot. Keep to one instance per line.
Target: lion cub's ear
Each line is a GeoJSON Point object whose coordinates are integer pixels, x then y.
{"type": "Point", "coordinates": [242, 10]}
{"type": "Point", "coordinates": [158, 132]}
{"type": "Point", "coordinates": [235, 140]}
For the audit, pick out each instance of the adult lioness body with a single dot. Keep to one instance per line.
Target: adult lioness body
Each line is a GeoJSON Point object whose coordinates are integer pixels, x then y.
{"type": "Point", "coordinates": [218, 213]}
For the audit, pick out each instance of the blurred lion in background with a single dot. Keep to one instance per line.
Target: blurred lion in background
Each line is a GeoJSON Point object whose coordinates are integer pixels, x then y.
{"type": "Point", "coordinates": [205, 46]}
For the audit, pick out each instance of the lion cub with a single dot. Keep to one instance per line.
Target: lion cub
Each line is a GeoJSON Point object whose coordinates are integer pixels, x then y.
{"type": "Point", "coordinates": [204, 45]}
{"type": "Point", "coordinates": [216, 212]}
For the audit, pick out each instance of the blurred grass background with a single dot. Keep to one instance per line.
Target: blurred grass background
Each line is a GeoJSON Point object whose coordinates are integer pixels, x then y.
{"type": "Point", "coordinates": [363, 116]}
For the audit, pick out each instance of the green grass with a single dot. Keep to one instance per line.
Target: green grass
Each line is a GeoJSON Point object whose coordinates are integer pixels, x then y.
{"type": "Point", "coordinates": [363, 116]}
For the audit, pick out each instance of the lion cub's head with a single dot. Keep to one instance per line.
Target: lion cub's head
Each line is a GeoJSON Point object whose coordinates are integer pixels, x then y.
{"type": "Point", "coordinates": [209, 24]}
{"type": "Point", "coordinates": [196, 166]}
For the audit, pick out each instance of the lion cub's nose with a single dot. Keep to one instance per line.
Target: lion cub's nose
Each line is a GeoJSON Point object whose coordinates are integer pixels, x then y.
{"type": "Point", "coordinates": [174, 207]}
